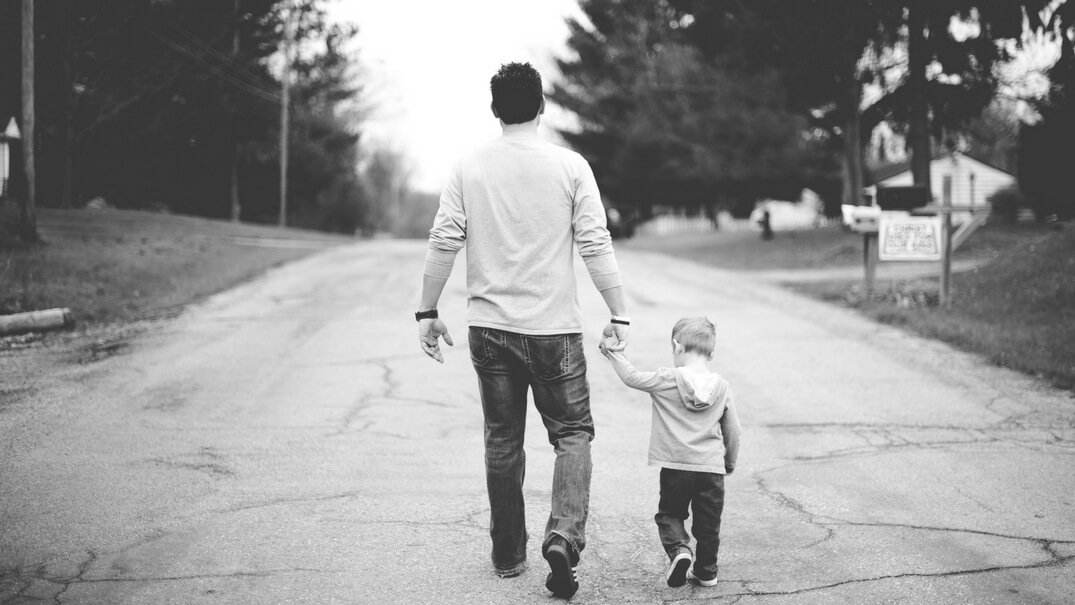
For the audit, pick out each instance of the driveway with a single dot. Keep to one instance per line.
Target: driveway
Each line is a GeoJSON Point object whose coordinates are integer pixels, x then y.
{"type": "Point", "coordinates": [286, 442]}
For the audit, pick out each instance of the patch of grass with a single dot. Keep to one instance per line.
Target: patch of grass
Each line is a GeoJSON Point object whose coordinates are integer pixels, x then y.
{"type": "Point", "coordinates": [1018, 310]}
{"type": "Point", "coordinates": [745, 250]}
{"type": "Point", "coordinates": [116, 265]}
{"type": "Point", "coordinates": [813, 249]}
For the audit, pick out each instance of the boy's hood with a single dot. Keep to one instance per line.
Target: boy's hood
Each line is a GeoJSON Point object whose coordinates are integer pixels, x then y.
{"type": "Point", "coordinates": [700, 389]}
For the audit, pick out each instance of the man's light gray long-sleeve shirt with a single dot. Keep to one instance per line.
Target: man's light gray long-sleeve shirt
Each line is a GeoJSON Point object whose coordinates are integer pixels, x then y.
{"type": "Point", "coordinates": [521, 205]}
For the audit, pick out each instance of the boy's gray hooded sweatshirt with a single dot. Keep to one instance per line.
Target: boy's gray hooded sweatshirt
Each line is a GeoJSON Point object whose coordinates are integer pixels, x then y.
{"type": "Point", "coordinates": [695, 426]}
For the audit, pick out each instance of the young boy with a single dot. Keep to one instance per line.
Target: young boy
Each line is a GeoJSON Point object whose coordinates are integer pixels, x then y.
{"type": "Point", "coordinates": [694, 438]}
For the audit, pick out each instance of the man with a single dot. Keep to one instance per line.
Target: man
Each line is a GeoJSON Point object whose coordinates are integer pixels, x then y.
{"type": "Point", "coordinates": [521, 206]}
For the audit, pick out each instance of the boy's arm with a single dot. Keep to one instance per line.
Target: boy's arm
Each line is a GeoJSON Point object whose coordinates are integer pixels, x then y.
{"type": "Point", "coordinates": [643, 381]}
{"type": "Point", "coordinates": [730, 430]}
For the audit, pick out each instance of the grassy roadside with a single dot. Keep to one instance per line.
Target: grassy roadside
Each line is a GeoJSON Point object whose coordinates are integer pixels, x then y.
{"type": "Point", "coordinates": [1017, 309]}
{"type": "Point", "coordinates": [823, 248]}
{"type": "Point", "coordinates": [117, 266]}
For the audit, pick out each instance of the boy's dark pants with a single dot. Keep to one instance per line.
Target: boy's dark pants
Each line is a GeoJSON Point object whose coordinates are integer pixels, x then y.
{"type": "Point", "coordinates": [704, 493]}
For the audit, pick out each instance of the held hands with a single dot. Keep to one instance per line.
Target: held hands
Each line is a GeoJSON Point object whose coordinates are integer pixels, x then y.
{"type": "Point", "coordinates": [613, 338]}
{"type": "Point", "coordinates": [429, 331]}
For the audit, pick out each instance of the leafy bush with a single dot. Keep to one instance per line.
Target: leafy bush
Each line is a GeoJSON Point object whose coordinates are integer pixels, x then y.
{"type": "Point", "coordinates": [1007, 202]}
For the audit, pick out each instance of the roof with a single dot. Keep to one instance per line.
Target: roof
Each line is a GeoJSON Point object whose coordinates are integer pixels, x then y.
{"type": "Point", "coordinates": [883, 172]}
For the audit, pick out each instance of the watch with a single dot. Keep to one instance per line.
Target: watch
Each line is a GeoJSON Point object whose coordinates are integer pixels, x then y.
{"type": "Point", "coordinates": [430, 314]}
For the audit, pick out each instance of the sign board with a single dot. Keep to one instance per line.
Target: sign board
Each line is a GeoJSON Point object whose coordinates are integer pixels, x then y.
{"type": "Point", "coordinates": [863, 219]}
{"type": "Point", "coordinates": [910, 238]}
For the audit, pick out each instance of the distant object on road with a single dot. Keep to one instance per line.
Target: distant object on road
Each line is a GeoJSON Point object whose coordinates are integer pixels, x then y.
{"type": "Point", "coordinates": [808, 212]}
{"type": "Point", "coordinates": [621, 221]}
{"type": "Point", "coordinates": [97, 203]}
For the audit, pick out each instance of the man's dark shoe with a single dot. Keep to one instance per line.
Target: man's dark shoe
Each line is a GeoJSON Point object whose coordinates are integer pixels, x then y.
{"type": "Point", "coordinates": [562, 580]}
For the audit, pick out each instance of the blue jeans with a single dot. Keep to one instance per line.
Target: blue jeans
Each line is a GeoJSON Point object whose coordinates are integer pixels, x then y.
{"type": "Point", "coordinates": [554, 368]}
{"type": "Point", "coordinates": [704, 493]}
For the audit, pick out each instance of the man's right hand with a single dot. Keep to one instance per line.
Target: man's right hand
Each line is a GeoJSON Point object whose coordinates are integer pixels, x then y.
{"type": "Point", "coordinates": [429, 331]}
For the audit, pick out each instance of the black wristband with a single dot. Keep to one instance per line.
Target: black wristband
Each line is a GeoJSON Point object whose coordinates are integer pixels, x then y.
{"type": "Point", "coordinates": [430, 314]}
{"type": "Point", "coordinates": [622, 322]}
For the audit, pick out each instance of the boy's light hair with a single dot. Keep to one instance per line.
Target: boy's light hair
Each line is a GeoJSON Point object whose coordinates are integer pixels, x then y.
{"type": "Point", "coordinates": [696, 334]}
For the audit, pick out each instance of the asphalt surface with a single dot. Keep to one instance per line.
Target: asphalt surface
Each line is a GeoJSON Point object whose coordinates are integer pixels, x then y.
{"type": "Point", "coordinates": [286, 442]}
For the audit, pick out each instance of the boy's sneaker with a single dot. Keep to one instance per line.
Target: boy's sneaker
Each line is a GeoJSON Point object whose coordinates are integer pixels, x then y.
{"type": "Point", "coordinates": [710, 582]}
{"type": "Point", "coordinates": [678, 569]}
{"type": "Point", "coordinates": [562, 580]}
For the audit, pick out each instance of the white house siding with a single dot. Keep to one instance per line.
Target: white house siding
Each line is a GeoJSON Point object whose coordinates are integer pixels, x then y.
{"type": "Point", "coordinates": [972, 181]}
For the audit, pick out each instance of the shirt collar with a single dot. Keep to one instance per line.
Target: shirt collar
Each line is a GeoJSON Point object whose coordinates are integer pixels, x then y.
{"type": "Point", "coordinates": [520, 130]}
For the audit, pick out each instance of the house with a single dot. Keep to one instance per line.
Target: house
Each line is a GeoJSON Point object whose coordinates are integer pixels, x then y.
{"type": "Point", "coordinates": [955, 177]}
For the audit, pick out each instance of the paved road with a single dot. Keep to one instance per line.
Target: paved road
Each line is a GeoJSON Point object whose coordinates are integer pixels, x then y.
{"type": "Point", "coordinates": [286, 443]}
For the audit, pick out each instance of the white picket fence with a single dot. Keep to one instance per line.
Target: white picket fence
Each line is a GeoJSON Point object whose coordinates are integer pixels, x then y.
{"type": "Point", "coordinates": [671, 224]}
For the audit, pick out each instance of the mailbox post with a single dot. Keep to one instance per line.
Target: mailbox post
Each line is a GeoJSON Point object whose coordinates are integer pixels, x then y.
{"type": "Point", "coordinates": [866, 220]}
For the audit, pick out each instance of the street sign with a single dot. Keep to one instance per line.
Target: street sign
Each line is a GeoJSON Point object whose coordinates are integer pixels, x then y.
{"type": "Point", "coordinates": [909, 238]}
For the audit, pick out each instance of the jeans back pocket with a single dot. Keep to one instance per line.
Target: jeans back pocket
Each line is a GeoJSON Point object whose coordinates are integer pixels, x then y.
{"type": "Point", "coordinates": [482, 345]}
{"type": "Point", "coordinates": [548, 357]}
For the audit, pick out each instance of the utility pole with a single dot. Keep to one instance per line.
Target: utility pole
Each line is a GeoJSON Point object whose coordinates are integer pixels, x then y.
{"type": "Point", "coordinates": [285, 99]}
{"type": "Point", "coordinates": [28, 213]}
{"type": "Point", "coordinates": [235, 208]}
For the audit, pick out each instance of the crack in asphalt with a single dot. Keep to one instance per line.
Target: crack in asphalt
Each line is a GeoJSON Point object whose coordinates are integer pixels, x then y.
{"type": "Point", "coordinates": [390, 385]}
{"type": "Point", "coordinates": [27, 578]}
{"type": "Point", "coordinates": [286, 501]}
{"type": "Point", "coordinates": [1055, 561]}
{"type": "Point", "coordinates": [883, 438]}
{"type": "Point", "coordinates": [829, 524]}
{"type": "Point", "coordinates": [39, 574]}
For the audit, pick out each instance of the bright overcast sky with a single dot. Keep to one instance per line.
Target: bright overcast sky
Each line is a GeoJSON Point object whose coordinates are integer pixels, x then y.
{"type": "Point", "coordinates": [428, 64]}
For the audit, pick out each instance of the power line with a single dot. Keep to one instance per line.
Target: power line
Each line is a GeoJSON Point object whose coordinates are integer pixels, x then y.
{"type": "Point", "coordinates": [192, 54]}
{"type": "Point", "coordinates": [226, 60]}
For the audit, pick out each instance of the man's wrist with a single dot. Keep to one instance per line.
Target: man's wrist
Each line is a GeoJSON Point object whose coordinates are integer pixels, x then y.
{"type": "Point", "coordinates": [427, 314]}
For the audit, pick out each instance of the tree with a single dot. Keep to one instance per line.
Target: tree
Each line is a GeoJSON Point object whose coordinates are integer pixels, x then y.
{"type": "Point", "coordinates": [819, 49]}
{"type": "Point", "coordinates": [661, 125]}
{"type": "Point", "coordinates": [161, 103]}
{"type": "Point", "coordinates": [1045, 169]}
{"type": "Point", "coordinates": [387, 174]}
{"type": "Point", "coordinates": [813, 47]}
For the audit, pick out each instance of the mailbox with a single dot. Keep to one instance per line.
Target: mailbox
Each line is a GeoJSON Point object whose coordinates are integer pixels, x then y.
{"type": "Point", "coordinates": [903, 198]}
{"type": "Point", "coordinates": [864, 219]}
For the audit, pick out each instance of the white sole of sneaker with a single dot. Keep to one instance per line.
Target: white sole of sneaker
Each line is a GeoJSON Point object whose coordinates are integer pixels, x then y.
{"type": "Point", "coordinates": [694, 578]}
{"type": "Point", "coordinates": [677, 570]}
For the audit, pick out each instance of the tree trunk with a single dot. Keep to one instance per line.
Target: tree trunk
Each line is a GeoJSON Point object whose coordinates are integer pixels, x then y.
{"type": "Point", "coordinates": [852, 160]}
{"type": "Point", "coordinates": [921, 154]}
{"type": "Point", "coordinates": [285, 100]}
{"type": "Point", "coordinates": [68, 62]}
{"type": "Point", "coordinates": [67, 189]}
{"type": "Point", "coordinates": [28, 212]}
{"type": "Point", "coordinates": [236, 210]}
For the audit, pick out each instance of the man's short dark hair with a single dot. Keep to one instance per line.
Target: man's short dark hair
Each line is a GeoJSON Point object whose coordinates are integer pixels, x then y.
{"type": "Point", "coordinates": [517, 93]}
